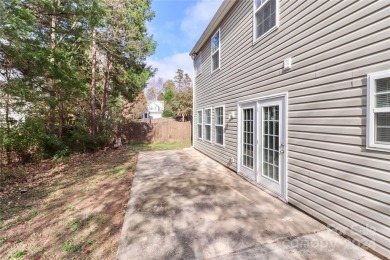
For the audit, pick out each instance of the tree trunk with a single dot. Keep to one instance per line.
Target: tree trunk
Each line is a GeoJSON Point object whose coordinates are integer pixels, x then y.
{"type": "Point", "coordinates": [93, 86]}
{"type": "Point", "coordinates": [61, 120]}
{"type": "Point", "coordinates": [52, 105]}
{"type": "Point", "coordinates": [8, 128]}
{"type": "Point", "coordinates": [106, 86]}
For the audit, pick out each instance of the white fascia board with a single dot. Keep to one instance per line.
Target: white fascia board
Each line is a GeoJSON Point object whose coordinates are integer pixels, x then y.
{"type": "Point", "coordinates": [213, 25]}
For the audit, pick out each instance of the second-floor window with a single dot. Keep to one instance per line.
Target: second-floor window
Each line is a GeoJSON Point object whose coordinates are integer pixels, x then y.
{"type": "Point", "coordinates": [197, 64]}
{"type": "Point", "coordinates": [265, 16]}
{"type": "Point", "coordinates": [215, 51]}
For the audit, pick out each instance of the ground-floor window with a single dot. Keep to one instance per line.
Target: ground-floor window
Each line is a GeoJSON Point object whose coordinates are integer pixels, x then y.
{"type": "Point", "coordinates": [219, 125]}
{"type": "Point", "coordinates": [378, 110]}
{"type": "Point", "coordinates": [200, 121]}
{"type": "Point", "coordinates": [207, 124]}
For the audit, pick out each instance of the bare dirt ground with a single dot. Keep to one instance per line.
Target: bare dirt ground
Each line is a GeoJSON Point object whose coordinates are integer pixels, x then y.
{"type": "Point", "coordinates": [71, 210]}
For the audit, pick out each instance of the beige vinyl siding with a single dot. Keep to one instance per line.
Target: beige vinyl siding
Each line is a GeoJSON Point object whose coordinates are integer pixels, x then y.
{"type": "Point", "coordinates": [333, 45]}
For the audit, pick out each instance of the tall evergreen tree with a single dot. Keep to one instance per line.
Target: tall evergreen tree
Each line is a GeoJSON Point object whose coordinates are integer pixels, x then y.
{"type": "Point", "coordinates": [126, 45]}
{"type": "Point", "coordinates": [69, 61]}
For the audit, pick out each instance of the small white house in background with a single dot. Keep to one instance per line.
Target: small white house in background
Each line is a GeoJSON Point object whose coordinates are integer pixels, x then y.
{"type": "Point", "coordinates": [154, 110]}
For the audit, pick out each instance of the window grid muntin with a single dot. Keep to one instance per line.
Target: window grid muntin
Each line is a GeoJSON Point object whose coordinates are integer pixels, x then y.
{"type": "Point", "coordinates": [271, 140]}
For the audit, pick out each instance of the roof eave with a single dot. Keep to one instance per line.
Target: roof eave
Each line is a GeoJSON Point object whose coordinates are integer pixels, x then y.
{"type": "Point", "coordinates": [213, 25]}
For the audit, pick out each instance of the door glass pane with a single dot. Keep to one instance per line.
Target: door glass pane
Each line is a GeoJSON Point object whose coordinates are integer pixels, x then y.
{"type": "Point", "coordinates": [272, 113]}
{"type": "Point", "coordinates": [276, 128]}
{"type": "Point", "coordinates": [276, 159]}
{"type": "Point", "coordinates": [248, 137]}
{"type": "Point", "coordinates": [277, 113]}
{"type": "Point", "coordinates": [271, 142]}
{"type": "Point", "coordinates": [266, 113]}
{"type": "Point", "coordinates": [276, 173]}
{"type": "Point", "coordinates": [265, 169]}
{"type": "Point", "coordinates": [270, 171]}
{"type": "Point", "coordinates": [276, 142]}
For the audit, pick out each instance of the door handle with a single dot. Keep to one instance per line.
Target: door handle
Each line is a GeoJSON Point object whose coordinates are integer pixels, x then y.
{"type": "Point", "coordinates": [281, 148]}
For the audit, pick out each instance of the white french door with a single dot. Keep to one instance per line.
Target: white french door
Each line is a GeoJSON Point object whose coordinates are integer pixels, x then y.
{"type": "Point", "coordinates": [262, 141]}
{"type": "Point", "coordinates": [248, 140]}
{"type": "Point", "coordinates": [271, 171]}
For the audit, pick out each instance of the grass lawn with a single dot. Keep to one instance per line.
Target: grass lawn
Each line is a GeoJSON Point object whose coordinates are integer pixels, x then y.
{"type": "Point", "coordinates": [71, 209]}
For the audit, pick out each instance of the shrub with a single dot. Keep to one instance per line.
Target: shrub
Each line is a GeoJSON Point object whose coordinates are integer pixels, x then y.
{"type": "Point", "coordinates": [26, 138]}
{"type": "Point", "coordinates": [167, 113]}
{"type": "Point", "coordinates": [54, 147]}
{"type": "Point", "coordinates": [79, 139]}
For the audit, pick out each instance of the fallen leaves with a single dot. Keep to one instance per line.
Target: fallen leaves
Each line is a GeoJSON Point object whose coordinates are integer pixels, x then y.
{"type": "Point", "coordinates": [75, 206]}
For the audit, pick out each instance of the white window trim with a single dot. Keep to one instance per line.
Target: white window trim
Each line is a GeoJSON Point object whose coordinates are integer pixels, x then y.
{"type": "Point", "coordinates": [219, 49]}
{"type": "Point", "coordinates": [223, 126]}
{"type": "Point", "coordinates": [198, 72]}
{"type": "Point", "coordinates": [197, 124]}
{"type": "Point", "coordinates": [211, 124]}
{"type": "Point", "coordinates": [255, 40]}
{"type": "Point", "coordinates": [371, 110]}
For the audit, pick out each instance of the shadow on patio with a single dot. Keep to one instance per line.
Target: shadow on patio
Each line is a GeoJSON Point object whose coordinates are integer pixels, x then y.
{"type": "Point", "coordinates": [184, 205]}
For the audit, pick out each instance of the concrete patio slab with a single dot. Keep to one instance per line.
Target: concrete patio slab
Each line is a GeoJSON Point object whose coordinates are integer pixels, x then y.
{"type": "Point", "coordinates": [184, 205]}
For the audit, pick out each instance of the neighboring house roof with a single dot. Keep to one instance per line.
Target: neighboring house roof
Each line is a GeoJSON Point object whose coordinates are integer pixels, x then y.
{"type": "Point", "coordinates": [213, 25]}
{"type": "Point", "coordinates": [156, 102]}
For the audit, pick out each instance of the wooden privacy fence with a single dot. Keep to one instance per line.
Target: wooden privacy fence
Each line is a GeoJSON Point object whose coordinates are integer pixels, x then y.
{"type": "Point", "coordinates": [157, 131]}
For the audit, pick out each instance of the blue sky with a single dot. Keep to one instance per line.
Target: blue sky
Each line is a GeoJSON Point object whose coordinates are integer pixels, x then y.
{"type": "Point", "coordinates": [176, 27]}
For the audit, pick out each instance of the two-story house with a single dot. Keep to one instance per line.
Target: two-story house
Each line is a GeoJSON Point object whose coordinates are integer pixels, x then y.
{"type": "Point", "coordinates": [295, 97]}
